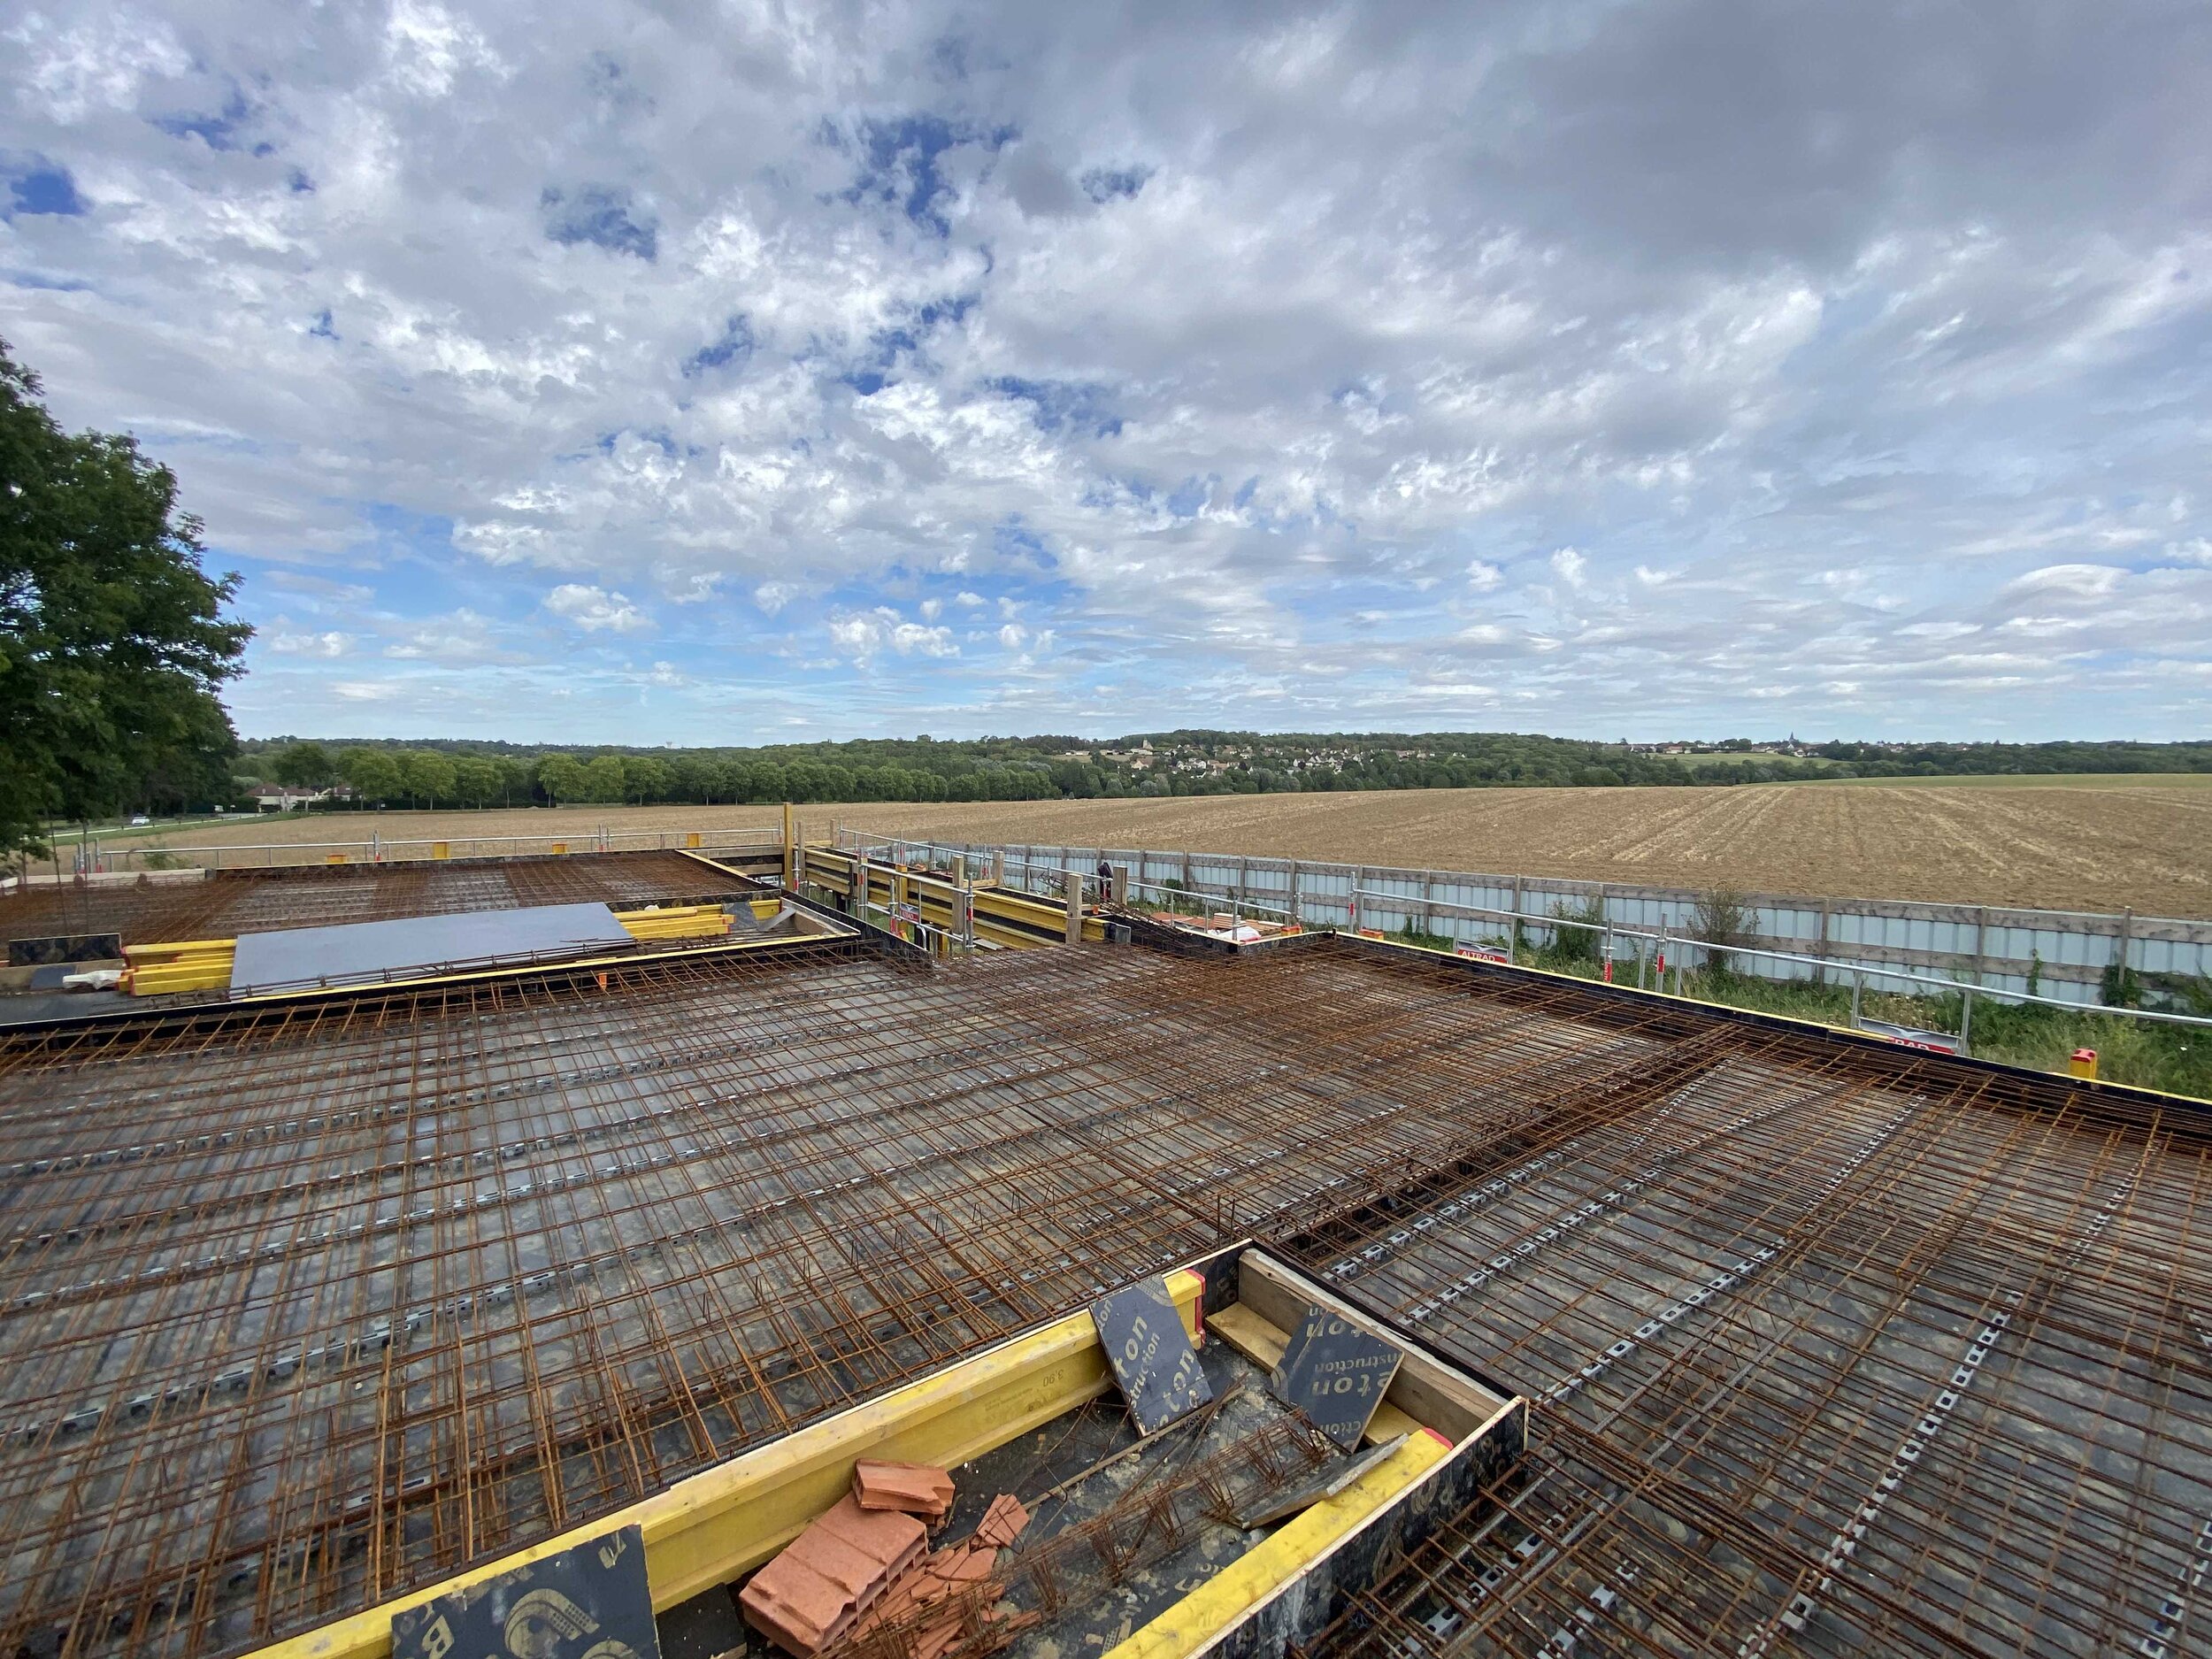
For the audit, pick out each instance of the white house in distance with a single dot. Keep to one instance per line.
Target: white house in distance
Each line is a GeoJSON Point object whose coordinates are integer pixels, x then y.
{"type": "Point", "coordinates": [282, 797]}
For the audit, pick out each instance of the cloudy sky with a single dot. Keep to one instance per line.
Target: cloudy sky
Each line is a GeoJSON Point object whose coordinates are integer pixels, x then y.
{"type": "Point", "coordinates": [651, 371]}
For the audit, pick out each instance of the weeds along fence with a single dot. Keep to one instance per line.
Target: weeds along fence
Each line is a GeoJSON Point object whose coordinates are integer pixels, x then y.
{"type": "Point", "coordinates": [2074, 957]}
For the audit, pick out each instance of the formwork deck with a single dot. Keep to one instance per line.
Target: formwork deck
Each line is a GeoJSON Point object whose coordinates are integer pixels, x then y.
{"type": "Point", "coordinates": [301, 1308]}
{"type": "Point", "coordinates": [229, 902]}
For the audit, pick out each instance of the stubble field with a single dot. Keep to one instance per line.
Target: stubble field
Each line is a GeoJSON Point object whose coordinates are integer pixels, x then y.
{"type": "Point", "coordinates": [2143, 844]}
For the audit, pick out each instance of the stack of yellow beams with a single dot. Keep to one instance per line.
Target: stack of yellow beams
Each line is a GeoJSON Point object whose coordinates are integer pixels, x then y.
{"type": "Point", "coordinates": [191, 964]}
{"type": "Point", "coordinates": [677, 921]}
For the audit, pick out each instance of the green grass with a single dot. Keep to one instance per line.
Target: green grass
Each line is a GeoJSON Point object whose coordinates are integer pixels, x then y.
{"type": "Point", "coordinates": [2148, 1053]}
{"type": "Point", "coordinates": [66, 835]}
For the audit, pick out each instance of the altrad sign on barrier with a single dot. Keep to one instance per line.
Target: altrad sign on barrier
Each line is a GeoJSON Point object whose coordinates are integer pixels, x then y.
{"type": "Point", "coordinates": [1335, 1373]}
{"type": "Point", "coordinates": [1150, 1354]}
{"type": "Point", "coordinates": [591, 1601]}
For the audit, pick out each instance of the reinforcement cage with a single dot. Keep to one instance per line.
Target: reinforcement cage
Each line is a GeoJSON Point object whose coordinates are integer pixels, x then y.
{"type": "Point", "coordinates": [307, 1306]}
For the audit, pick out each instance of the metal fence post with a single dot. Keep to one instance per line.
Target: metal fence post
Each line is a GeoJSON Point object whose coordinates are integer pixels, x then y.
{"type": "Point", "coordinates": [1966, 1018]}
{"type": "Point", "coordinates": [1858, 987]}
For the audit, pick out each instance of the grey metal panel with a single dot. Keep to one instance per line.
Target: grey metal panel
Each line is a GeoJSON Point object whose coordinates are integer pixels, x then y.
{"type": "Point", "coordinates": [363, 953]}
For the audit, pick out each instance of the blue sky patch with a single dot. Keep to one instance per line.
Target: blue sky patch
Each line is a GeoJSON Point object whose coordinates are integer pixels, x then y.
{"type": "Point", "coordinates": [36, 185]}
{"type": "Point", "coordinates": [734, 344]}
{"type": "Point", "coordinates": [1062, 406]}
{"type": "Point", "coordinates": [899, 164]}
{"type": "Point", "coordinates": [602, 215]}
{"type": "Point", "coordinates": [219, 131]}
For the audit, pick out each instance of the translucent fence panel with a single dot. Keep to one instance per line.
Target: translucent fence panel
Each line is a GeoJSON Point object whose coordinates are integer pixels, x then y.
{"type": "Point", "coordinates": [2064, 954]}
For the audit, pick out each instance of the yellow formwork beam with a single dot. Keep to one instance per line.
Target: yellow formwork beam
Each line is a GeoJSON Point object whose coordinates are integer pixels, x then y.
{"type": "Point", "coordinates": [187, 964]}
{"type": "Point", "coordinates": [1024, 920]}
{"type": "Point", "coordinates": [676, 921]}
{"type": "Point", "coordinates": [1209, 1613]}
{"type": "Point", "coordinates": [718, 1524]}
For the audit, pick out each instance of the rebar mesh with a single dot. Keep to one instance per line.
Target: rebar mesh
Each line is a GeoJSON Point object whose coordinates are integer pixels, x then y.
{"type": "Point", "coordinates": [1906, 1369]}
{"type": "Point", "coordinates": [226, 903]}
{"type": "Point", "coordinates": [301, 1307]}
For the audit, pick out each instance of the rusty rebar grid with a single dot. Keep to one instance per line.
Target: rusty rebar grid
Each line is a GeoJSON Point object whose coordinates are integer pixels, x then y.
{"type": "Point", "coordinates": [227, 902]}
{"type": "Point", "coordinates": [306, 1306]}
{"type": "Point", "coordinates": [1939, 1358]}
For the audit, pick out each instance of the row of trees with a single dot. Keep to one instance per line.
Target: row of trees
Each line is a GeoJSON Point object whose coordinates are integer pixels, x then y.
{"type": "Point", "coordinates": [1179, 763]}
{"type": "Point", "coordinates": [430, 778]}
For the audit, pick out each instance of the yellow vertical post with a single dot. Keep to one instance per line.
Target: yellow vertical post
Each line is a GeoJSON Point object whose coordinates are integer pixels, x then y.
{"type": "Point", "coordinates": [441, 850]}
{"type": "Point", "coordinates": [692, 839]}
{"type": "Point", "coordinates": [2084, 1065]}
{"type": "Point", "coordinates": [790, 849]}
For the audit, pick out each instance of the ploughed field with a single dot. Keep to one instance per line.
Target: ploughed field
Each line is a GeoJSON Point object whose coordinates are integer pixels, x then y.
{"type": "Point", "coordinates": [2136, 842]}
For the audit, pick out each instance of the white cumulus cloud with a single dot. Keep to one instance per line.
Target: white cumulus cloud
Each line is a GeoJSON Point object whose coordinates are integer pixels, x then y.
{"type": "Point", "coordinates": [594, 608]}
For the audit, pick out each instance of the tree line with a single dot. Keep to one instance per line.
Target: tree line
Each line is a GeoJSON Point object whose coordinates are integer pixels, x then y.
{"type": "Point", "coordinates": [424, 776]}
{"type": "Point", "coordinates": [1184, 763]}
{"type": "Point", "coordinates": [432, 777]}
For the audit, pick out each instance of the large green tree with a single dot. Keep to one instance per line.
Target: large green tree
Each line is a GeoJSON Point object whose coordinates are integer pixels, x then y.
{"type": "Point", "coordinates": [426, 775]}
{"type": "Point", "coordinates": [373, 774]}
{"type": "Point", "coordinates": [113, 638]}
{"type": "Point", "coordinates": [562, 778]}
{"type": "Point", "coordinates": [304, 765]}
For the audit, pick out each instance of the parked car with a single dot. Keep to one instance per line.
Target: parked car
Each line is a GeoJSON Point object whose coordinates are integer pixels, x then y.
{"type": "Point", "coordinates": [141, 819]}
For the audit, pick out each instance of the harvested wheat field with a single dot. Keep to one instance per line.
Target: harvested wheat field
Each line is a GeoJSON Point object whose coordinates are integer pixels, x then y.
{"type": "Point", "coordinates": [2085, 844]}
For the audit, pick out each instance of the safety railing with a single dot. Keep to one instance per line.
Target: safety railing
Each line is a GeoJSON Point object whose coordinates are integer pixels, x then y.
{"type": "Point", "coordinates": [905, 920]}
{"type": "Point", "coordinates": [1661, 940]}
{"type": "Point", "coordinates": [899, 848]}
{"type": "Point", "coordinates": [2082, 957]}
